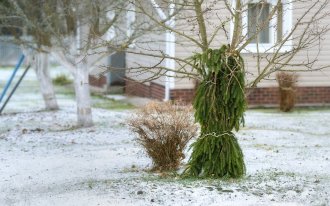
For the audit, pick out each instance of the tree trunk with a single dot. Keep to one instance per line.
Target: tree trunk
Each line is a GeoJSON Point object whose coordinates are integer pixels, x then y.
{"type": "Point", "coordinates": [45, 82]}
{"type": "Point", "coordinates": [83, 98]}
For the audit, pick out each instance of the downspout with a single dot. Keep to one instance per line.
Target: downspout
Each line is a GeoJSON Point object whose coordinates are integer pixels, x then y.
{"type": "Point", "coordinates": [170, 47]}
{"type": "Point", "coordinates": [170, 52]}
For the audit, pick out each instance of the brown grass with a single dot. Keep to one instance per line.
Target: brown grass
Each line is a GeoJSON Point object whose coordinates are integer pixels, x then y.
{"type": "Point", "coordinates": [287, 84]}
{"type": "Point", "coordinates": [164, 129]}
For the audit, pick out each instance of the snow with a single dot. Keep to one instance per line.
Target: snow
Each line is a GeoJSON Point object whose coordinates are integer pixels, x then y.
{"type": "Point", "coordinates": [46, 160]}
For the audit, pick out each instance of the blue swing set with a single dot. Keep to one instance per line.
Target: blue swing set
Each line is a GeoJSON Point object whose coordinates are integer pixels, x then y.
{"type": "Point", "coordinates": [9, 82]}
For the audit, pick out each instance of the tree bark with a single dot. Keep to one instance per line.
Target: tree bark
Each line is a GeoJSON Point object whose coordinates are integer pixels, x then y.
{"type": "Point", "coordinates": [83, 98]}
{"type": "Point", "coordinates": [45, 82]}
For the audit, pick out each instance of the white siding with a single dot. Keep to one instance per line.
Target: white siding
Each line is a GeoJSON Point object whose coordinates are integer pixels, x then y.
{"type": "Point", "coordinates": [218, 13]}
{"type": "Point", "coordinates": [150, 42]}
{"type": "Point", "coordinates": [134, 61]}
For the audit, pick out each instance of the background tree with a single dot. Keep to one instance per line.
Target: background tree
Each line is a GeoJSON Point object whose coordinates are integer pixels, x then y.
{"type": "Point", "coordinates": [78, 34]}
{"type": "Point", "coordinates": [39, 58]}
{"type": "Point", "coordinates": [204, 26]}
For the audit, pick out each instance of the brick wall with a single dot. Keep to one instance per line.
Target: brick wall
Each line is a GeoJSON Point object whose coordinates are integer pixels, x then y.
{"type": "Point", "coordinates": [100, 81]}
{"type": "Point", "coordinates": [184, 95]}
{"type": "Point", "coordinates": [136, 88]}
{"type": "Point", "coordinates": [313, 95]}
{"type": "Point", "coordinates": [263, 96]}
{"type": "Point", "coordinates": [156, 91]}
{"type": "Point", "coordinates": [304, 96]}
{"type": "Point", "coordinates": [256, 97]}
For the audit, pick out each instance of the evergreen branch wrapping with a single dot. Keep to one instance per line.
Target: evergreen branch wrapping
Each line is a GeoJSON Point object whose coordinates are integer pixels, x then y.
{"type": "Point", "coordinates": [216, 156]}
{"type": "Point", "coordinates": [220, 104]}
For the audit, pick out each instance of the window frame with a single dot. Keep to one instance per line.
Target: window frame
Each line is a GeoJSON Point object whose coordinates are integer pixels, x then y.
{"type": "Point", "coordinates": [245, 21]}
{"type": "Point", "coordinates": [270, 47]}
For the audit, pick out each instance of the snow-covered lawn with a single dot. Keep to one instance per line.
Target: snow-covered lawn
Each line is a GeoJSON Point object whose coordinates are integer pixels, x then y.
{"type": "Point", "coordinates": [45, 160]}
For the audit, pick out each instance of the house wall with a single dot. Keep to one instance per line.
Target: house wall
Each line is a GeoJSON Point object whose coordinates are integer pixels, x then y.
{"type": "Point", "coordinates": [142, 78]}
{"type": "Point", "coordinates": [143, 59]}
{"type": "Point", "coordinates": [141, 66]}
{"type": "Point", "coordinates": [98, 78]}
{"type": "Point", "coordinates": [313, 86]}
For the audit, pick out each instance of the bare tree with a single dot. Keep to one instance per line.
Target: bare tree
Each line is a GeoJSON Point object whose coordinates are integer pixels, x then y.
{"type": "Point", "coordinates": [222, 36]}
{"type": "Point", "coordinates": [78, 34]}
{"type": "Point", "coordinates": [269, 32]}
{"type": "Point", "coordinates": [38, 57]}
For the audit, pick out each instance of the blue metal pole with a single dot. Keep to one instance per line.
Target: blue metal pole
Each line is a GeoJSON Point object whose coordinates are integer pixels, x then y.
{"type": "Point", "coordinates": [14, 89]}
{"type": "Point", "coordinates": [12, 77]}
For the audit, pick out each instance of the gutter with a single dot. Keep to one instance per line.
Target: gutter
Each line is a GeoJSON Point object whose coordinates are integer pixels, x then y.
{"type": "Point", "coordinates": [170, 47]}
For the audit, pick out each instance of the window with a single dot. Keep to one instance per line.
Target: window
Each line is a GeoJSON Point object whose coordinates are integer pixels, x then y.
{"type": "Point", "coordinates": [264, 30]}
{"type": "Point", "coordinates": [257, 19]}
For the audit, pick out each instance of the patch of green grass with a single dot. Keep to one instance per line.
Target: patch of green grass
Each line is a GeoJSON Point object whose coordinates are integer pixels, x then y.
{"type": "Point", "coordinates": [109, 104]}
{"type": "Point", "coordinates": [65, 128]}
{"type": "Point", "coordinates": [174, 177]}
{"type": "Point", "coordinates": [62, 79]}
{"type": "Point", "coordinates": [263, 146]}
{"type": "Point", "coordinates": [98, 101]}
{"type": "Point", "coordinates": [7, 67]}
{"type": "Point", "coordinates": [311, 109]}
{"type": "Point", "coordinates": [64, 90]}
{"type": "Point", "coordinates": [270, 174]}
{"type": "Point", "coordinates": [92, 183]}
{"type": "Point", "coordinates": [265, 110]}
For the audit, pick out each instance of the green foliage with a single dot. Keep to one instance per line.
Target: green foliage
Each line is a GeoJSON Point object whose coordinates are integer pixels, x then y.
{"type": "Point", "coordinates": [217, 156]}
{"type": "Point", "coordinates": [61, 79]}
{"type": "Point", "coordinates": [102, 102]}
{"type": "Point", "coordinates": [220, 104]}
{"type": "Point", "coordinates": [220, 96]}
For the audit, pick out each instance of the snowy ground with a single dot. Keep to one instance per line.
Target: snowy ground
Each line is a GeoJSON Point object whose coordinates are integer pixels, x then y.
{"type": "Point", "coordinates": [45, 160]}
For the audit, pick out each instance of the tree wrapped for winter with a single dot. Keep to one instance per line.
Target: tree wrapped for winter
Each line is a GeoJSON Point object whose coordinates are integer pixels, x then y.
{"type": "Point", "coordinates": [220, 104]}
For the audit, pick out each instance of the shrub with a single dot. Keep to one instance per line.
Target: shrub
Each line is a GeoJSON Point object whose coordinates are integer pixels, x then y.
{"type": "Point", "coordinates": [219, 104]}
{"type": "Point", "coordinates": [287, 83]}
{"type": "Point", "coordinates": [163, 130]}
{"type": "Point", "coordinates": [61, 79]}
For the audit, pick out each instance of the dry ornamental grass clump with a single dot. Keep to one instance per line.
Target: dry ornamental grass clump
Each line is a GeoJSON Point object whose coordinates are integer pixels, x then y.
{"type": "Point", "coordinates": [287, 84]}
{"type": "Point", "coordinates": [164, 129]}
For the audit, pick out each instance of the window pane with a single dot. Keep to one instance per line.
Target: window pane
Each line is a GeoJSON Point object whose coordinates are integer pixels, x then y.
{"type": "Point", "coordinates": [257, 16]}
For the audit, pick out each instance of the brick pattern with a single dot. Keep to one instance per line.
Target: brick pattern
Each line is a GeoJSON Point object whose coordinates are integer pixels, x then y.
{"type": "Point", "coordinates": [183, 95]}
{"type": "Point", "coordinates": [136, 88]}
{"type": "Point", "coordinates": [100, 81]}
{"type": "Point", "coordinates": [157, 91]}
{"type": "Point", "coordinates": [263, 96]}
{"type": "Point", "coordinates": [304, 96]}
{"type": "Point", "coordinates": [256, 96]}
{"type": "Point", "coordinates": [313, 95]}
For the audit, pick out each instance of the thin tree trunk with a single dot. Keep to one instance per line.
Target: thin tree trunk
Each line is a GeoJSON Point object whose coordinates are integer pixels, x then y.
{"type": "Point", "coordinates": [45, 82]}
{"type": "Point", "coordinates": [83, 98]}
